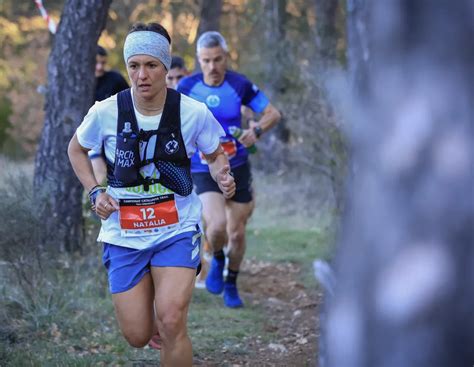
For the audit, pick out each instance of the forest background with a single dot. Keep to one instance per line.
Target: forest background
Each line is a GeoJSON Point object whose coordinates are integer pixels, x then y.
{"type": "Point", "coordinates": [402, 291]}
{"type": "Point", "coordinates": [277, 44]}
{"type": "Point", "coordinates": [292, 50]}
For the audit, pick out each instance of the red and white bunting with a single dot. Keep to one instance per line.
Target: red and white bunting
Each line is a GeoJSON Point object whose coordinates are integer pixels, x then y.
{"type": "Point", "coordinates": [45, 15]}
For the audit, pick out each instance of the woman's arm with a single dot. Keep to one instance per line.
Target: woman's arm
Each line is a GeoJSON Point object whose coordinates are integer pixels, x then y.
{"type": "Point", "coordinates": [219, 169]}
{"type": "Point", "coordinates": [104, 203]}
{"type": "Point", "coordinates": [81, 164]}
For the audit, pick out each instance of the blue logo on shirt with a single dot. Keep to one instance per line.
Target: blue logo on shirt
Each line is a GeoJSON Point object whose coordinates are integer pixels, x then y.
{"type": "Point", "coordinates": [225, 102]}
{"type": "Point", "coordinates": [213, 101]}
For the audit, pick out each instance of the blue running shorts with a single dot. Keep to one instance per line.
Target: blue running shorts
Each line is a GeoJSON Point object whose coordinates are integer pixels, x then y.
{"type": "Point", "coordinates": [127, 266]}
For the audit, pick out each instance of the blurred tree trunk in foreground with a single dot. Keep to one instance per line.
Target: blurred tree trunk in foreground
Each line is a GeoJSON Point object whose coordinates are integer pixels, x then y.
{"type": "Point", "coordinates": [405, 274]}
{"type": "Point", "coordinates": [70, 94]}
{"type": "Point", "coordinates": [358, 38]}
{"type": "Point", "coordinates": [209, 20]}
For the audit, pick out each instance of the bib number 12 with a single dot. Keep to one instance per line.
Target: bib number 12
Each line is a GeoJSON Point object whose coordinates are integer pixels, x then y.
{"type": "Point", "coordinates": [147, 216]}
{"type": "Point", "coordinates": [148, 213]}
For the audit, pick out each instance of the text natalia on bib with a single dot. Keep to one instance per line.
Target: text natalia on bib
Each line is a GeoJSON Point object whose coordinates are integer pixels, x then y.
{"type": "Point", "coordinates": [147, 216]}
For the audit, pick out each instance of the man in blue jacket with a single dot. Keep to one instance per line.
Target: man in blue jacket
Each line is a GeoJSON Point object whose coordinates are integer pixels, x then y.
{"type": "Point", "coordinates": [225, 92]}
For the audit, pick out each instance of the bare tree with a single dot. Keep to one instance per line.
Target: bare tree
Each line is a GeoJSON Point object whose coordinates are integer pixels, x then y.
{"type": "Point", "coordinates": [274, 24]}
{"type": "Point", "coordinates": [209, 20]}
{"type": "Point", "coordinates": [210, 16]}
{"type": "Point", "coordinates": [278, 62]}
{"type": "Point", "coordinates": [405, 280]}
{"type": "Point", "coordinates": [70, 94]}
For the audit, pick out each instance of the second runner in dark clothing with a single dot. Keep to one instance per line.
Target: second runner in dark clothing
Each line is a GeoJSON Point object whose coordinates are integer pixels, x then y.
{"type": "Point", "coordinates": [110, 83]}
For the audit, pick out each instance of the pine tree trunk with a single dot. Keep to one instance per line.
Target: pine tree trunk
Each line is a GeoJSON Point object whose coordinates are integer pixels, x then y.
{"type": "Point", "coordinates": [209, 20]}
{"type": "Point", "coordinates": [405, 274]}
{"type": "Point", "coordinates": [210, 16]}
{"type": "Point", "coordinates": [70, 94]}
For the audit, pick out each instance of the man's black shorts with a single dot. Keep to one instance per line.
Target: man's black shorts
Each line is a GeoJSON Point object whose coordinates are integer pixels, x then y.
{"type": "Point", "coordinates": [203, 182]}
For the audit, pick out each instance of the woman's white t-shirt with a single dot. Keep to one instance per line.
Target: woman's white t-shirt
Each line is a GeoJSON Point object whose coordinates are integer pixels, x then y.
{"type": "Point", "coordinates": [199, 129]}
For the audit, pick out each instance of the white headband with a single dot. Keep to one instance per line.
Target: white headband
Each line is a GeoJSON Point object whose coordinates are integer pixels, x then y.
{"type": "Point", "coordinates": [148, 43]}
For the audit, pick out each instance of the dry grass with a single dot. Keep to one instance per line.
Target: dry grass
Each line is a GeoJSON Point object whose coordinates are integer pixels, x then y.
{"type": "Point", "coordinates": [63, 303]}
{"type": "Point", "coordinates": [303, 201]}
{"type": "Point", "coordinates": [10, 169]}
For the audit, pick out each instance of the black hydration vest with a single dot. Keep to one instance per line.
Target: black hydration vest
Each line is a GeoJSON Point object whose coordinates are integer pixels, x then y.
{"type": "Point", "coordinates": [164, 147]}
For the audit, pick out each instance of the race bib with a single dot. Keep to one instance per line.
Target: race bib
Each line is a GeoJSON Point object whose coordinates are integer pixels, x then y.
{"type": "Point", "coordinates": [147, 216]}
{"type": "Point", "coordinates": [230, 149]}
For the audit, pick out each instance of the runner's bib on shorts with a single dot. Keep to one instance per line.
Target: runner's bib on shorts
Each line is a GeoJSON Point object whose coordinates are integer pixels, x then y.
{"type": "Point", "coordinates": [147, 216]}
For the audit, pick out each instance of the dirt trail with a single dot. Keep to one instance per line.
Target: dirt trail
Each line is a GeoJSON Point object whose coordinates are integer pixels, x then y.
{"type": "Point", "coordinates": [291, 312]}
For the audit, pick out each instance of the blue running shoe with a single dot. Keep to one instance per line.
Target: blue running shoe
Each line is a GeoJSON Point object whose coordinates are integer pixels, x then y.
{"type": "Point", "coordinates": [231, 296]}
{"type": "Point", "coordinates": [215, 277]}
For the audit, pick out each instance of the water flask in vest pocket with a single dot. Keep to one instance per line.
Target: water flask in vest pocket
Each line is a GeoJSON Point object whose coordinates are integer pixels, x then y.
{"type": "Point", "coordinates": [127, 155]}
